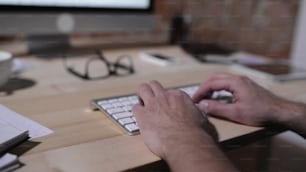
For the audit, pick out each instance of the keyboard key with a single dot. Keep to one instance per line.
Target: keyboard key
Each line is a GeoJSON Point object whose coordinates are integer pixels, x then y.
{"type": "Point", "coordinates": [134, 102]}
{"type": "Point", "coordinates": [131, 127]}
{"type": "Point", "coordinates": [125, 121]}
{"type": "Point", "coordinates": [127, 108]}
{"type": "Point", "coordinates": [127, 103]}
{"type": "Point", "coordinates": [134, 118]}
{"type": "Point", "coordinates": [122, 115]}
{"type": "Point", "coordinates": [102, 102]}
{"type": "Point", "coordinates": [113, 100]}
{"type": "Point", "coordinates": [114, 110]}
{"type": "Point", "coordinates": [117, 104]}
{"type": "Point", "coordinates": [107, 106]}
{"type": "Point", "coordinates": [123, 99]}
{"type": "Point", "coordinates": [133, 97]}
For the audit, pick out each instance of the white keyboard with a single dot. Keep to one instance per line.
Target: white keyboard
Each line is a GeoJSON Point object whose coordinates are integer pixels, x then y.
{"type": "Point", "coordinates": [119, 108]}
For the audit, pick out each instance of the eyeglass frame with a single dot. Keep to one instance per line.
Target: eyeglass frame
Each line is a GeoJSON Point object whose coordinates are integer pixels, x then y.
{"type": "Point", "coordinates": [112, 67]}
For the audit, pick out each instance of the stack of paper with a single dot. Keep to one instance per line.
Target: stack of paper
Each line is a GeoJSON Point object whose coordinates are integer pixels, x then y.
{"type": "Point", "coordinates": [14, 130]}
{"type": "Point", "coordinates": [9, 162]}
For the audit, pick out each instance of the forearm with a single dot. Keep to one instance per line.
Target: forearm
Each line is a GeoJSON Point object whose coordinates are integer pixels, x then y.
{"type": "Point", "coordinates": [197, 153]}
{"type": "Point", "coordinates": [293, 116]}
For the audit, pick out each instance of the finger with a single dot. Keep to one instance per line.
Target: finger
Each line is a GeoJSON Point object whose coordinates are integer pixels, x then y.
{"type": "Point", "coordinates": [145, 92]}
{"type": "Point", "coordinates": [218, 109]}
{"type": "Point", "coordinates": [176, 96]}
{"type": "Point", "coordinates": [157, 88]}
{"type": "Point", "coordinates": [212, 78]}
{"type": "Point", "coordinates": [140, 101]}
{"type": "Point", "coordinates": [187, 98]}
{"type": "Point", "coordinates": [215, 85]}
{"type": "Point", "coordinates": [138, 112]}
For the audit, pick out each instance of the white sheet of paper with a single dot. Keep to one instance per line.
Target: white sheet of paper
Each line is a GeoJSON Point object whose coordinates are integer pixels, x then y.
{"type": "Point", "coordinates": [12, 123]}
{"type": "Point", "coordinates": [7, 159]}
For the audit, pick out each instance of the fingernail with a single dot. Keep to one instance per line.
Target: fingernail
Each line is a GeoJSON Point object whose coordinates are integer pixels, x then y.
{"type": "Point", "coordinates": [204, 105]}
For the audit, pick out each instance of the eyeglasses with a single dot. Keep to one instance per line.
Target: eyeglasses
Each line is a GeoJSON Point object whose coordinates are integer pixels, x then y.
{"type": "Point", "coordinates": [98, 67]}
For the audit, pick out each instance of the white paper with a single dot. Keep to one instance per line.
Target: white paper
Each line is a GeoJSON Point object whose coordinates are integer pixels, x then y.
{"type": "Point", "coordinates": [8, 132]}
{"type": "Point", "coordinates": [7, 159]}
{"type": "Point", "coordinates": [14, 123]}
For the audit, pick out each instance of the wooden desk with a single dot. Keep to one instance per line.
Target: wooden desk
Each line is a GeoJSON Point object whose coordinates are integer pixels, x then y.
{"type": "Point", "coordinates": [86, 140]}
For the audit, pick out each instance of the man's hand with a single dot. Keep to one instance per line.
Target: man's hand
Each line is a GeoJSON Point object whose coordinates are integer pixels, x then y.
{"type": "Point", "coordinates": [251, 104]}
{"type": "Point", "coordinates": [167, 117]}
{"type": "Point", "coordinates": [175, 129]}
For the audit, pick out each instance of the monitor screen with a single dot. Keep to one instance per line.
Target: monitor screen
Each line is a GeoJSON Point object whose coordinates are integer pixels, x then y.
{"type": "Point", "coordinates": [104, 4]}
{"type": "Point", "coordinates": [45, 17]}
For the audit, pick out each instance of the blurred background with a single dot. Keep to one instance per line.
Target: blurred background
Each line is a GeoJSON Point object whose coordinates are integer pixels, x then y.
{"type": "Point", "coordinates": [263, 27]}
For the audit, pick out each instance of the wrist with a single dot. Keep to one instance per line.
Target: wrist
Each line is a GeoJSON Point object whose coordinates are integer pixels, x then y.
{"type": "Point", "coordinates": [291, 115]}
{"type": "Point", "coordinates": [197, 151]}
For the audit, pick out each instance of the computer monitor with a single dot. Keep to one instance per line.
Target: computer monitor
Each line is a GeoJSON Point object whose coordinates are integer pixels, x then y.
{"type": "Point", "coordinates": [41, 17]}
{"type": "Point", "coordinates": [47, 24]}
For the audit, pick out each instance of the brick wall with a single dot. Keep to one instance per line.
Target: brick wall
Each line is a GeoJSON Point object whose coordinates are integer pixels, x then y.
{"type": "Point", "coordinates": [260, 26]}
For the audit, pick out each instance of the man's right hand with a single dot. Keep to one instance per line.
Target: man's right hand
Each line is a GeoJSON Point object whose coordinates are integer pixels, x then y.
{"type": "Point", "coordinates": [251, 103]}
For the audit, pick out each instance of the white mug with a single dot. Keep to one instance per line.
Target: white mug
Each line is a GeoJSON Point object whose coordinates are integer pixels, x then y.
{"type": "Point", "coordinates": [6, 62]}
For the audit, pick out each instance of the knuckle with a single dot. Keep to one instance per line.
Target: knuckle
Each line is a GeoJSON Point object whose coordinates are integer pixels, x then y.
{"type": "Point", "coordinates": [142, 87]}
{"type": "Point", "coordinates": [173, 94]}
{"type": "Point", "coordinates": [243, 78]}
{"type": "Point", "coordinates": [213, 76]}
{"type": "Point", "coordinates": [178, 93]}
{"type": "Point", "coordinates": [153, 82]}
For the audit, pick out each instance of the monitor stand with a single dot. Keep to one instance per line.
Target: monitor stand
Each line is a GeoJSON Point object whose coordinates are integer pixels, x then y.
{"type": "Point", "coordinates": [48, 45]}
